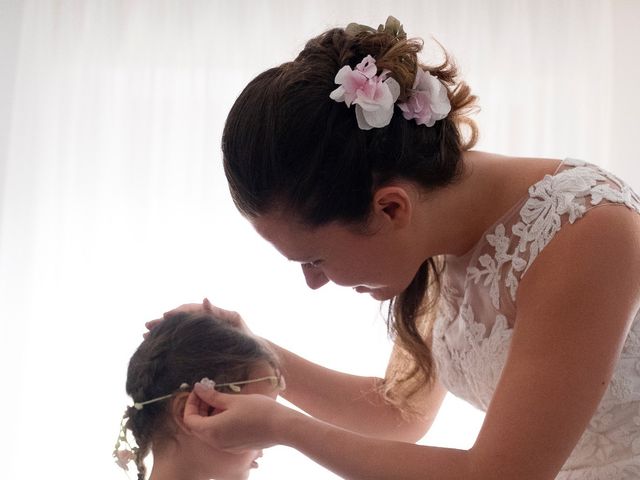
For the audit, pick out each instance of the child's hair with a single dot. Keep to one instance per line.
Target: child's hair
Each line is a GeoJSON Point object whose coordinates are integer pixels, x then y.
{"type": "Point", "coordinates": [183, 349]}
{"type": "Point", "coordinates": [287, 145]}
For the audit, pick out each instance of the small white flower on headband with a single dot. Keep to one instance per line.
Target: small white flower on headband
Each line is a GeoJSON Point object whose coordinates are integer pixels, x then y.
{"type": "Point", "coordinates": [373, 95]}
{"type": "Point", "coordinates": [428, 102]}
{"type": "Point", "coordinates": [210, 384]}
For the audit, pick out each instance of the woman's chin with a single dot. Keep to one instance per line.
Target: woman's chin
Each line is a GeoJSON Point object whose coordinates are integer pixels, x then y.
{"type": "Point", "coordinates": [380, 294]}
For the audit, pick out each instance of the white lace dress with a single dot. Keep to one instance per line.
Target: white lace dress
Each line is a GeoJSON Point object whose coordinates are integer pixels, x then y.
{"type": "Point", "coordinates": [472, 335]}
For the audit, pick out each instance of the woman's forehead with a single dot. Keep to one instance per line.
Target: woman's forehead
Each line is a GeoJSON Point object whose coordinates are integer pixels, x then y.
{"type": "Point", "coordinates": [290, 238]}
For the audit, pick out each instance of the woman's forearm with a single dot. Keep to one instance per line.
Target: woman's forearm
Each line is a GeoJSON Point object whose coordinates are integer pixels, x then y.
{"type": "Point", "coordinates": [357, 457]}
{"type": "Point", "coordinates": [350, 401]}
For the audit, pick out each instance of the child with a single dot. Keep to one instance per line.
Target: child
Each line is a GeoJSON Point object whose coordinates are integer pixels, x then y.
{"type": "Point", "coordinates": [185, 349]}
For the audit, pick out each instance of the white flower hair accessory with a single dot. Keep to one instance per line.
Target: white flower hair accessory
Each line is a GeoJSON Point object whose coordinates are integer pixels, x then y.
{"type": "Point", "coordinates": [124, 452]}
{"type": "Point", "coordinates": [373, 95]}
{"type": "Point", "coordinates": [428, 101]}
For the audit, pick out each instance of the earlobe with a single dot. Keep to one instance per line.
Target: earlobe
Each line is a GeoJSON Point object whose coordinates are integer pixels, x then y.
{"type": "Point", "coordinates": [394, 203]}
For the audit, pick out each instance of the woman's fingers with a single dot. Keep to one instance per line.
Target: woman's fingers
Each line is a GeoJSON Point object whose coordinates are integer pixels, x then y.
{"type": "Point", "coordinates": [152, 323]}
{"type": "Point", "coordinates": [207, 305]}
{"type": "Point", "coordinates": [202, 405]}
{"type": "Point", "coordinates": [229, 316]}
{"type": "Point", "coordinates": [196, 406]}
{"type": "Point", "coordinates": [210, 396]}
{"type": "Point", "coordinates": [233, 318]}
{"type": "Point", "coordinates": [185, 308]}
{"type": "Point", "coordinates": [231, 422]}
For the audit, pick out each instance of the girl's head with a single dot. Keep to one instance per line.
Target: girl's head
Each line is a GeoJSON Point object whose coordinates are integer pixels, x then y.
{"type": "Point", "coordinates": [177, 353]}
{"type": "Point", "coordinates": [298, 162]}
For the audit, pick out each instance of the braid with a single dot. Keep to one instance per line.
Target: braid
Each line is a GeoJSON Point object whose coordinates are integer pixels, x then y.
{"type": "Point", "coordinates": [145, 383]}
{"type": "Point", "coordinates": [141, 453]}
{"type": "Point", "coordinates": [136, 426]}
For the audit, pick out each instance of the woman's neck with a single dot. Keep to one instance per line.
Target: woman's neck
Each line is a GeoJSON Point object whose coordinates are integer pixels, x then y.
{"type": "Point", "coordinates": [456, 217]}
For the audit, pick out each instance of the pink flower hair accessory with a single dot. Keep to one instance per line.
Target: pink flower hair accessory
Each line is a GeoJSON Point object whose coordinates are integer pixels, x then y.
{"type": "Point", "coordinates": [428, 102]}
{"type": "Point", "coordinates": [373, 95]}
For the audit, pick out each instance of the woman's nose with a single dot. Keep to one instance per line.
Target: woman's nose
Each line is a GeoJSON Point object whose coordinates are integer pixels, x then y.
{"type": "Point", "coordinates": [314, 276]}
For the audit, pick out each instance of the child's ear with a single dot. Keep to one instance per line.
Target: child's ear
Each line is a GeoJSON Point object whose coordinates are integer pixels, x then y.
{"type": "Point", "coordinates": [177, 411]}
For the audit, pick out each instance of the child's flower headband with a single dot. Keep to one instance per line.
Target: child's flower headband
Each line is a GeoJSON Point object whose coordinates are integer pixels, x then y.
{"type": "Point", "coordinates": [124, 452]}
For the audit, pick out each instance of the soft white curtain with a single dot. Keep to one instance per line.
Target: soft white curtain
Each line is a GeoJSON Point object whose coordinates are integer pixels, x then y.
{"type": "Point", "coordinates": [114, 208]}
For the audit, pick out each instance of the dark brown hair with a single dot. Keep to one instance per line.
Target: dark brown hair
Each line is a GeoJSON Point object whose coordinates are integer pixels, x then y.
{"type": "Point", "coordinates": [287, 145]}
{"type": "Point", "coordinates": [183, 349]}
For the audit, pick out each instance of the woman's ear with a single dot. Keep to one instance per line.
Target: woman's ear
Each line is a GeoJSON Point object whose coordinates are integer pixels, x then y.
{"type": "Point", "coordinates": [393, 204]}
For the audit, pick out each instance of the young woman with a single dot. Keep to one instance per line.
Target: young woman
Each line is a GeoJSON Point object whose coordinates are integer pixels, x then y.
{"type": "Point", "coordinates": [187, 348]}
{"type": "Point", "coordinates": [514, 282]}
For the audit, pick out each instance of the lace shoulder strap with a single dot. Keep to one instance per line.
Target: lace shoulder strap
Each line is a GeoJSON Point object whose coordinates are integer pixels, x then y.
{"type": "Point", "coordinates": [552, 202]}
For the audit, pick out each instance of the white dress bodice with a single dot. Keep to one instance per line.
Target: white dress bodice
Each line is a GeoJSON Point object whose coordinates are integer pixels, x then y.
{"type": "Point", "coordinates": [472, 332]}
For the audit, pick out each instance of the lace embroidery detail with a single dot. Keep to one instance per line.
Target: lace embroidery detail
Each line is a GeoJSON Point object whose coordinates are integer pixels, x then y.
{"type": "Point", "coordinates": [471, 336]}
{"type": "Point", "coordinates": [492, 267]}
{"type": "Point", "coordinates": [621, 386]}
{"type": "Point", "coordinates": [464, 345]}
{"type": "Point", "coordinates": [555, 196]}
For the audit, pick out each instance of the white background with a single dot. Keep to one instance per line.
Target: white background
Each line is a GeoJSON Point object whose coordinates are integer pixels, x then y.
{"type": "Point", "coordinates": [114, 208]}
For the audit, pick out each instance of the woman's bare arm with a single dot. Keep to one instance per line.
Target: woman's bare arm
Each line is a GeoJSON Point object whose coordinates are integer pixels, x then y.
{"type": "Point", "coordinates": [575, 307]}
{"type": "Point", "coordinates": [348, 401]}
{"type": "Point", "coordinates": [355, 402]}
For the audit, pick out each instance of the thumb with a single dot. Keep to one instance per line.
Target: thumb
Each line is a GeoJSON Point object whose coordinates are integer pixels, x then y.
{"type": "Point", "coordinates": [203, 402]}
{"type": "Point", "coordinates": [207, 305]}
{"type": "Point", "coordinates": [209, 395]}
{"type": "Point", "coordinates": [201, 409]}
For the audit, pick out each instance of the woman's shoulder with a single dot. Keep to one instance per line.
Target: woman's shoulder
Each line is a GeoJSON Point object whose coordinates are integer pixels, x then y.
{"type": "Point", "coordinates": [508, 178]}
{"type": "Point", "coordinates": [581, 209]}
{"type": "Point", "coordinates": [572, 190]}
{"type": "Point", "coordinates": [545, 190]}
{"type": "Point", "coordinates": [562, 193]}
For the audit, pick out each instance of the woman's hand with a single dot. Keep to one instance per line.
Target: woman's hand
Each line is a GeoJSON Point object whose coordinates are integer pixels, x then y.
{"type": "Point", "coordinates": [234, 422]}
{"type": "Point", "coordinates": [231, 317]}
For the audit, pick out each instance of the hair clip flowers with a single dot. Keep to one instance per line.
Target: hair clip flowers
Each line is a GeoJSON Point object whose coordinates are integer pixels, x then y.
{"type": "Point", "coordinates": [428, 101]}
{"type": "Point", "coordinates": [373, 95]}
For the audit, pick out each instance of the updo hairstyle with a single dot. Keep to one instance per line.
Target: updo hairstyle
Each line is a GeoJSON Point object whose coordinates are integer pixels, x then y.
{"type": "Point", "coordinates": [288, 147]}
